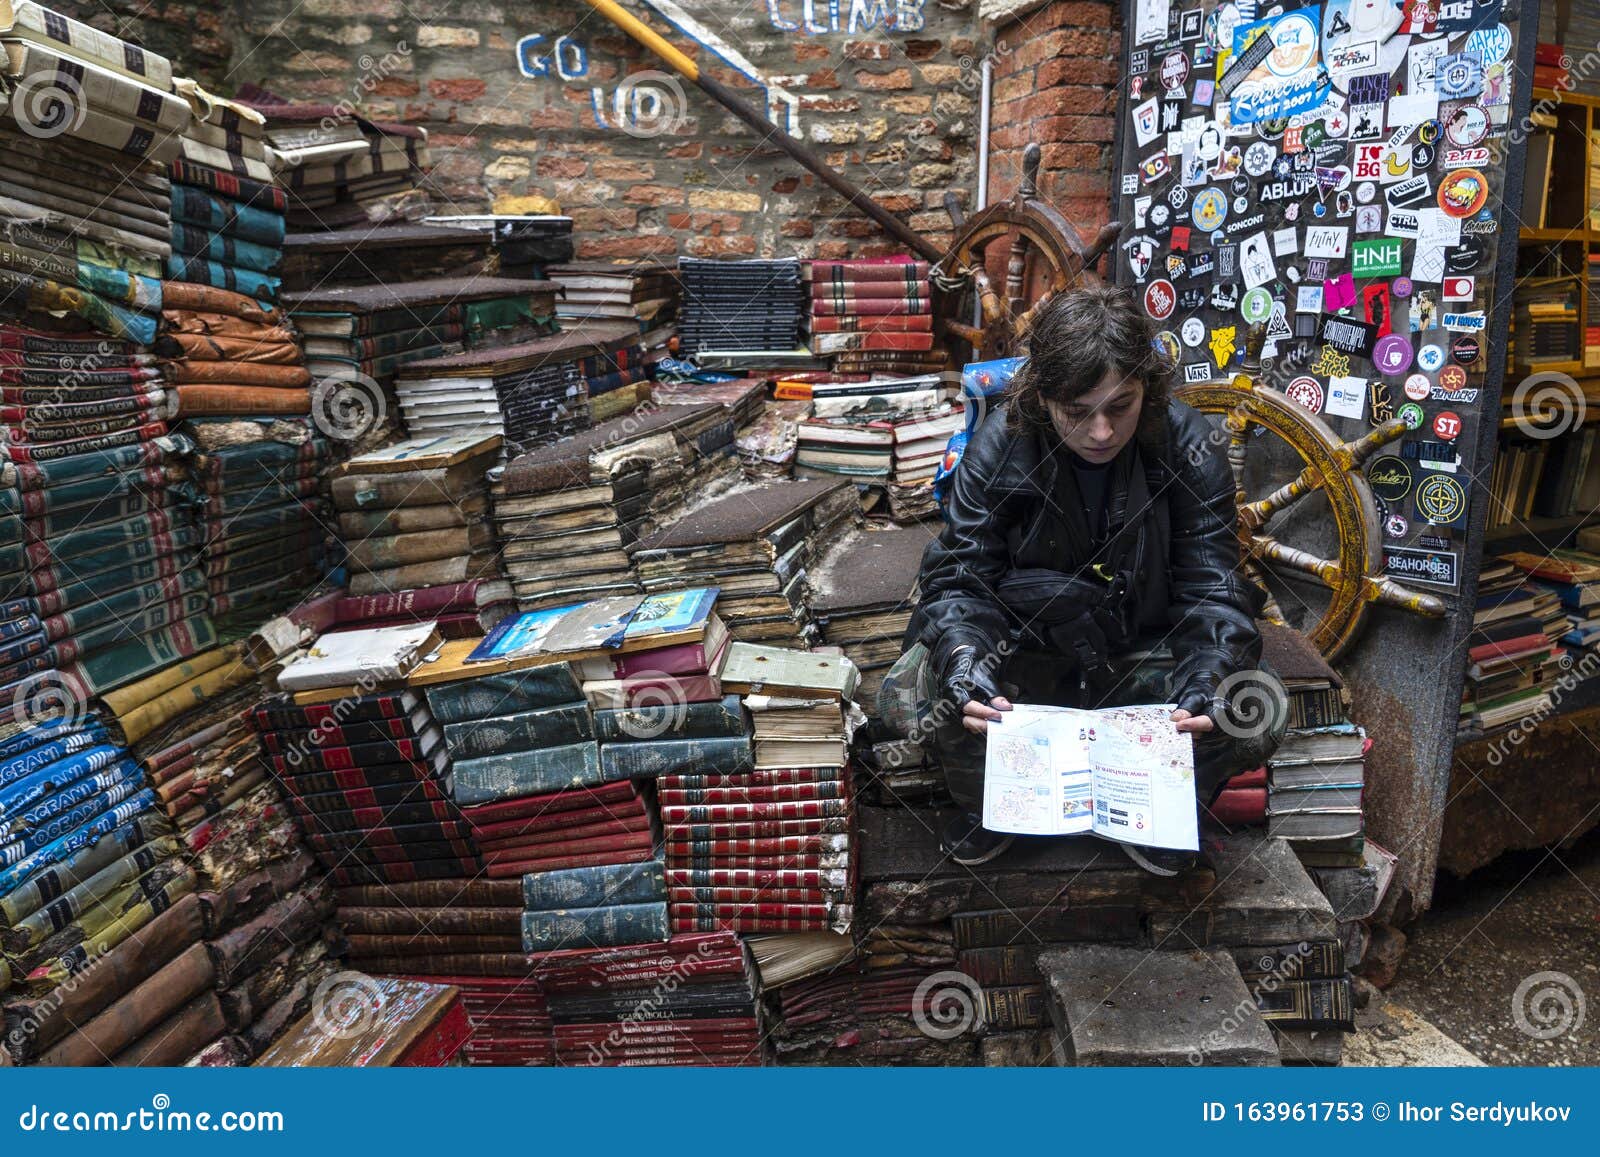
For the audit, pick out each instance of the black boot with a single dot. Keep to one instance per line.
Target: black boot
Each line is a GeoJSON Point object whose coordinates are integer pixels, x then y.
{"type": "Point", "coordinates": [966, 841]}
{"type": "Point", "coordinates": [1161, 861]}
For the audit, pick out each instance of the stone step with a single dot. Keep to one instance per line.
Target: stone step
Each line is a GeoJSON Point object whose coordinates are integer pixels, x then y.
{"type": "Point", "coordinates": [1130, 1006]}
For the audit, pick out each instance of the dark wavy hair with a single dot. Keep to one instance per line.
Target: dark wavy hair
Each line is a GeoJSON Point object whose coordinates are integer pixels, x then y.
{"type": "Point", "coordinates": [1079, 337]}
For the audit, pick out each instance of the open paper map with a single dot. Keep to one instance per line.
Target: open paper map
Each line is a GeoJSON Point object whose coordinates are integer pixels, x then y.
{"type": "Point", "coordinates": [1125, 773]}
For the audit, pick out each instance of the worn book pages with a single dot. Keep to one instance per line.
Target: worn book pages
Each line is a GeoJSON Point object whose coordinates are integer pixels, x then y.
{"type": "Point", "coordinates": [1125, 773]}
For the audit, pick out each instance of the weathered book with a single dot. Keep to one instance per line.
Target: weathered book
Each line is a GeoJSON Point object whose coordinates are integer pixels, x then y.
{"type": "Point", "coordinates": [1323, 1003]}
{"type": "Point", "coordinates": [405, 1024]}
{"type": "Point", "coordinates": [822, 789]}
{"type": "Point", "coordinates": [501, 777]}
{"type": "Point", "coordinates": [349, 732]}
{"type": "Point", "coordinates": [650, 758]}
{"type": "Point", "coordinates": [50, 883]}
{"type": "Point", "coordinates": [436, 894]}
{"type": "Point", "coordinates": [502, 869]}
{"type": "Point", "coordinates": [721, 717]}
{"type": "Point", "coordinates": [385, 553]}
{"type": "Point", "coordinates": [591, 887]}
{"type": "Point", "coordinates": [301, 757]}
{"type": "Point", "coordinates": [1112, 924]}
{"type": "Point", "coordinates": [1009, 1007]}
{"type": "Point", "coordinates": [357, 492]}
{"type": "Point", "coordinates": [353, 872]}
{"type": "Point", "coordinates": [513, 851]}
{"type": "Point", "coordinates": [34, 929]}
{"type": "Point", "coordinates": [752, 669]}
{"type": "Point", "coordinates": [282, 712]}
{"type": "Point", "coordinates": [763, 846]}
{"type": "Point", "coordinates": [137, 1013]}
{"type": "Point", "coordinates": [375, 775]}
{"type": "Point", "coordinates": [649, 690]}
{"type": "Point", "coordinates": [363, 945]}
{"type": "Point", "coordinates": [483, 696]}
{"type": "Point", "coordinates": [524, 731]}
{"type": "Point", "coordinates": [328, 817]}
{"type": "Point", "coordinates": [759, 910]}
{"type": "Point", "coordinates": [600, 927]}
{"type": "Point", "coordinates": [517, 833]}
{"type": "Point", "coordinates": [453, 920]}
{"type": "Point", "coordinates": [758, 777]}
{"type": "Point", "coordinates": [728, 812]}
{"type": "Point", "coordinates": [386, 653]}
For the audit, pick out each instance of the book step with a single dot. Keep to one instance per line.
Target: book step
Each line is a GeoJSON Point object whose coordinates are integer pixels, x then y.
{"type": "Point", "coordinates": [1129, 1006]}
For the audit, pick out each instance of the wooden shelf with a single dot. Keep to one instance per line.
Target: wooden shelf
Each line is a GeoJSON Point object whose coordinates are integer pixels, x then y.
{"type": "Point", "coordinates": [1576, 234]}
{"type": "Point", "coordinates": [1584, 697]}
{"type": "Point", "coordinates": [1578, 98]}
{"type": "Point", "coordinates": [1535, 528]}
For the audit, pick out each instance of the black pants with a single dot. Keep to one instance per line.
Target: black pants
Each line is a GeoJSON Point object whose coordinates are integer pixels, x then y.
{"type": "Point", "coordinates": [1031, 677]}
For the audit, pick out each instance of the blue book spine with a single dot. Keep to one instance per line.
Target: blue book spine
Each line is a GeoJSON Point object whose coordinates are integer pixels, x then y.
{"type": "Point", "coordinates": [54, 777]}
{"type": "Point", "coordinates": [647, 760]}
{"type": "Point", "coordinates": [19, 873]}
{"type": "Point", "coordinates": [24, 765]}
{"type": "Point", "coordinates": [525, 731]}
{"type": "Point", "coordinates": [67, 822]}
{"type": "Point", "coordinates": [489, 695]}
{"type": "Point", "coordinates": [722, 717]}
{"type": "Point", "coordinates": [522, 773]}
{"type": "Point", "coordinates": [593, 887]}
{"type": "Point", "coordinates": [603, 927]}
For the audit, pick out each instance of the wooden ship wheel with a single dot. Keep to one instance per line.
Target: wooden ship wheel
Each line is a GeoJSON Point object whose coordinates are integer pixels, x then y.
{"type": "Point", "coordinates": [1043, 255]}
{"type": "Point", "coordinates": [1332, 466]}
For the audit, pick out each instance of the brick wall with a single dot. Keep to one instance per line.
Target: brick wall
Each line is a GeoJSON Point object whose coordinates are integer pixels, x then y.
{"type": "Point", "coordinates": [893, 103]}
{"type": "Point", "coordinates": [1056, 82]}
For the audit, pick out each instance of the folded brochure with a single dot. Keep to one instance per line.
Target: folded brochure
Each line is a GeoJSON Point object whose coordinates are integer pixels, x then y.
{"type": "Point", "coordinates": [1125, 773]}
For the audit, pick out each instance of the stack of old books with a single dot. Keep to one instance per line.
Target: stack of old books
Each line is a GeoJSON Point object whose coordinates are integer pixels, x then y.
{"type": "Point", "coordinates": [374, 254]}
{"type": "Point", "coordinates": [750, 306]}
{"type": "Point", "coordinates": [338, 167]}
{"type": "Point", "coordinates": [86, 204]}
{"type": "Point", "coordinates": [226, 355]}
{"type": "Point", "coordinates": [398, 1023]}
{"type": "Point", "coordinates": [528, 778]}
{"type": "Point", "coordinates": [413, 514]}
{"type": "Point", "coordinates": [615, 1007]}
{"type": "Point", "coordinates": [269, 934]}
{"type": "Point", "coordinates": [264, 518]}
{"type": "Point", "coordinates": [526, 245]}
{"type": "Point", "coordinates": [872, 315]}
{"type": "Point", "coordinates": [1512, 654]}
{"type": "Point", "coordinates": [605, 906]}
{"type": "Point", "coordinates": [862, 594]}
{"type": "Point", "coordinates": [227, 214]}
{"type": "Point", "coordinates": [457, 930]}
{"type": "Point", "coordinates": [368, 778]}
{"type": "Point", "coordinates": [755, 544]}
{"type": "Point", "coordinates": [643, 292]}
{"type": "Point", "coordinates": [374, 329]}
{"type": "Point", "coordinates": [760, 838]}
{"type": "Point", "coordinates": [743, 398]}
{"type": "Point", "coordinates": [1573, 576]}
{"type": "Point", "coordinates": [566, 514]}
{"type": "Point", "coordinates": [533, 393]}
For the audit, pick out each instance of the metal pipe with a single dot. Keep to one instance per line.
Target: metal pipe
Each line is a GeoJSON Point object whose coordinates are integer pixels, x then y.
{"type": "Point", "coordinates": [769, 133]}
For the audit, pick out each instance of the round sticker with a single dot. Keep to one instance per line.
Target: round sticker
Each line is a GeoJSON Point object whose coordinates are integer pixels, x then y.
{"type": "Point", "coordinates": [1421, 157]}
{"type": "Point", "coordinates": [1256, 306]}
{"type": "Point", "coordinates": [1447, 425]}
{"type": "Point", "coordinates": [1178, 197]}
{"type": "Point", "coordinates": [1241, 204]}
{"type": "Point", "coordinates": [1402, 287]}
{"type": "Point", "coordinates": [1395, 526]}
{"type": "Point", "coordinates": [1335, 125]}
{"type": "Point", "coordinates": [1489, 45]}
{"type": "Point", "coordinates": [1295, 43]}
{"type": "Point", "coordinates": [1465, 350]}
{"type": "Point", "coordinates": [1220, 25]}
{"type": "Point", "coordinates": [1160, 299]}
{"type": "Point", "coordinates": [1210, 209]}
{"type": "Point", "coordinates": [1166, 344]}
{"type": "Point", "coordinates": [1365, 192]}
{"type": "Point", "coordinates": [1452, 378]}
{"type": "Point", "coordinates": [1258, 157]}
{"type": "Point", "coordinates": [1440, 498]}
{"type": "Point", "coordinates": [1159, 216]}
{"type": "Point", "coordinates": [1463, 192]}
{"type": "Point", "coordinates": [1465, 255]}
{"type": "Point", "coordinates": [1430, 358]}
{"type": "Point", "coordinates": [1306, 393]}
{"type": "Point", "coordinates": [1272, 128]}
{"type": "Point", "coordinates": [1411, 414]}
{"type": "Point", "coordinates": [1193, 332]}
{"type": "Point", "coordinates": [1418, 387]}
{"type": "Point", "coordinates": [1174, 71]}
{"type": "Point", "coordinates": [1467, 126]}
{"type": "Point", "coordinates": [1428, 131]}
{"type": "Point", "coordinates": [1209, 146]}
{"type": "Point", "coordinates": [1389, 477]}
{"type": "Point", "coordinates": [1392, 354]}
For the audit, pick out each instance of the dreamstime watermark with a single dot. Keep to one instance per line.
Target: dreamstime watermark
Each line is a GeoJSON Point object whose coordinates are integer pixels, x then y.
{"type": "Point", "coordinates": [651, 103]}
{"type": "Point", "coordinates": [374, 71]}
{"type": "Point", "coordinates": [1276, 972]}
{"type": "Point", "coordinates": [47, 104]}
{"type": "Point", "coordinates": [658, 706]}
{"type": "Point", "coordinates": [1547, 404]}
{"type": "Point", "coordinates": [160, 1117]}
{"type": "Point", "coordinates": [1251, 704]}
{"type": "Point", "coordinates": [1577, 71]}
{"type": "Point", "coordinates": [348, 405]}
{"type": "Point", "coordinates": [1574, 674]}
{"type": "Point", "coordinates": [947, 1004]}
{"type": "Point", "coordinates": [924, 726]}
{"type": "Point", "coordinates": [1547, 1005]}
{"type": "Point", "coordinates": [47, 698]}
{"type": "Point", "coordinates": [347, 1005]}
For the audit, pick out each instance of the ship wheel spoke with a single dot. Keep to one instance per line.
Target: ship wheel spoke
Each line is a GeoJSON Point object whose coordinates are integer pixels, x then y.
{"type": "Point", "coordinates": [1280, 555]}
{"type": "Point", "coordinates": [1270, 610]}
{"type": "Point", "coordinates": [1386, 592]}
{"type": "Point", "coordinates": [1256, 515]}
{"type": "Point", "coordinates": [1016, 272]}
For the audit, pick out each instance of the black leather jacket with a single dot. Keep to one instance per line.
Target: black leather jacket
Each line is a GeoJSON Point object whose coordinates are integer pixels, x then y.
{"type": "Point", "coordinates": [1013, 528]}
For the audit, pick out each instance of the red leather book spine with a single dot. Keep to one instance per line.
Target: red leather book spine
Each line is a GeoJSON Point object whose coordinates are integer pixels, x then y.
{"type": "Point", "coordinates": [756, 794]}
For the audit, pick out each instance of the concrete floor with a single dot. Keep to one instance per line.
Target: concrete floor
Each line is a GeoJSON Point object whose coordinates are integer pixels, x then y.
{"type": "Point", "coordinates": [1526, 914]}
